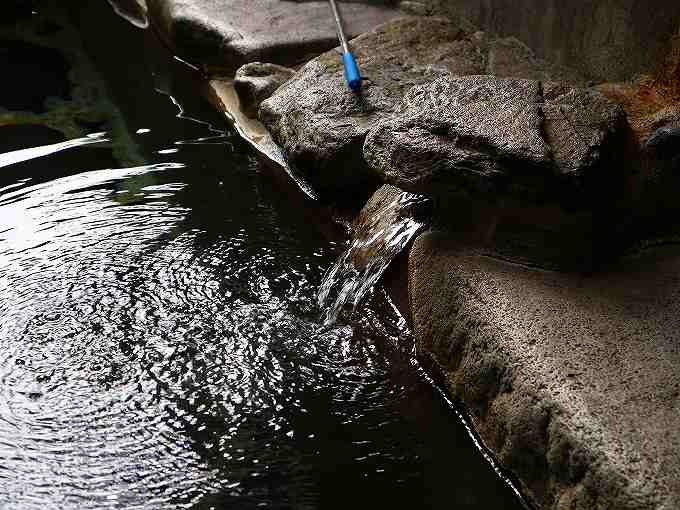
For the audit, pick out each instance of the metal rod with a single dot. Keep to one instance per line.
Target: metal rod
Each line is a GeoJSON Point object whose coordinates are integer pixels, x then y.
{"type": "Point", "coordinates": [352, 72]}
{"type": "Point", "coordinates": [339, 28]}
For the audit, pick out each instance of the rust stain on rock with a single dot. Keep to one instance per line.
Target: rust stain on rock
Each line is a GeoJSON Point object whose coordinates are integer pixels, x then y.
{"type": "Point", "coordinates": [668, 76]}
{"type": "Point", "coordinates": [653, 101]}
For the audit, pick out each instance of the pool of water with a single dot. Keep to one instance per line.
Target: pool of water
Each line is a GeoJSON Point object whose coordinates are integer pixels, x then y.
{"type": "Point", "coordinates": [161, 346]}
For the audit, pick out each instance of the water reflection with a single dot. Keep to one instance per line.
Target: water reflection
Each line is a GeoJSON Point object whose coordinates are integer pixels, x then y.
{"type": "Point", "coordinates": [164, 352]}
{"type": "Point", "coordinates": [21, 155]}
{"type": "Point", "coordinates": [160, 346]}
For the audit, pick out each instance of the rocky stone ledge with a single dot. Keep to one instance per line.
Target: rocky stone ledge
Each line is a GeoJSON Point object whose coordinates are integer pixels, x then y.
{"type": "Point", "coordinates": [322, 125]}
{"type": "Point", "coordinates": [533, 170]}
{"type": "Point", "coordinates": [523, 150]}
{"type": "Point", "coordinates": [571, 381]}
{"type": "Point", "coordinates": [484, 135]}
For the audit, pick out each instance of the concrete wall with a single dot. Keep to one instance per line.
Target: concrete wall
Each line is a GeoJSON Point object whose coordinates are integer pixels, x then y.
{"type": "Point", "coordinates": [606, 39]}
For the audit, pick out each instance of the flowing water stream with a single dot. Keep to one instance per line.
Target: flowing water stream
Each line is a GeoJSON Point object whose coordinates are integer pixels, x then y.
{"type": "Point", "coordinates": [160, 343]}
{"type": "Point", "coordinates": [382, 232]}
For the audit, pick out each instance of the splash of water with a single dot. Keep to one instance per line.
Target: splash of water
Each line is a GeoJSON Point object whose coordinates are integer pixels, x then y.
{"type": "Point", "coordinates": [385, 227]}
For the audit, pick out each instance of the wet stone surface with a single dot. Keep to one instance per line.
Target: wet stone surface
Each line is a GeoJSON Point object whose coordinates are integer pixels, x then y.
{"type": "Point", "coordinates": [572, 379]}
{"type": "Point", "coordinates": [382, 231]}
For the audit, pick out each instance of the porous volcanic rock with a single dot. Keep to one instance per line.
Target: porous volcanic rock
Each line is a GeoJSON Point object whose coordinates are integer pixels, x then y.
{"type": "Point", "coordinates": [586, 131]}
{"type": "Point", "coordinates": [573, 382]}
{"type": "Point", "coordinates": [256, 81]}
{"type": "Point", "coordinates": [322, 125]}
{"type": "Point", "coordinates": [460, 134]}
{"type": "Point", "coordinates": [222, 35]}
{"type": "Point", "coordinates": [481, 134]}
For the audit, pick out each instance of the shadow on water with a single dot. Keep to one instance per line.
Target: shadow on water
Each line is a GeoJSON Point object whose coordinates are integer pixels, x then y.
{"type": "Point", "coordinates": [44, 73]}
{"type": "Point", "coordinates": [160, 344]}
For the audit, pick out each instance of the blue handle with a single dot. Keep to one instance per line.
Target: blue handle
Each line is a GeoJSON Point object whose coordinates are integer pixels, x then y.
{"type": "Point", "coordinates": [352, 73]}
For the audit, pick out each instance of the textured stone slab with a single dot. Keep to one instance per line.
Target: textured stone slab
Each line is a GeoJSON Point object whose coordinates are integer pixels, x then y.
{"type": "Point", "coordinates": [322, 126]}
{"type": "Point", "coordinates": [224, 97]}
{"type": "Point", "coordinates": [585, 130]}
{"type": "Point", "coordinates": [222, 35]}
{"type": "Point", "coordinates": [460, 134]}
{"type": "Point", "coordinates": [256, 81]}
{"type": "Point", "coordinates": [481, 134]}
{"type": "Point", "coordinates": [573, 382]}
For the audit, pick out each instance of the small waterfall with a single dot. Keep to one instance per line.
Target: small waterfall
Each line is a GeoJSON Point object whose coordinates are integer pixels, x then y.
{"type": "Point", "coordinates": [384, 227]}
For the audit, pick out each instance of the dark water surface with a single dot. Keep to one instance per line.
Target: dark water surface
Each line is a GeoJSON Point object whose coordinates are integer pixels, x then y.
{"type": "Point", "coordinates": [160, 345]}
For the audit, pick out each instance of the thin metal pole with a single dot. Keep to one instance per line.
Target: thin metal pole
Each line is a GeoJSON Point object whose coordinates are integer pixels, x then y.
{"type": "Point", "coordinates": [352, 72]}
{"type": "Point", "coordinates": [338, 25]}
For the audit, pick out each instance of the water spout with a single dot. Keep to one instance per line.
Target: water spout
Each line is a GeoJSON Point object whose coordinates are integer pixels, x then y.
{"type": "Point", "coordinates": [385, 226]}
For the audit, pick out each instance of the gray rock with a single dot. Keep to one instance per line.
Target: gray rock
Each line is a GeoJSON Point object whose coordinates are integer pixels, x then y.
{"type": "Point", "coordinates": [612, 41]}
{"type": "Point", "coordinates": [322, 125]}
{"type": "Point", "coordinates": [257, 81]}
{"type": "Point", "coordinates": [222, 35]}
{"type": "Point", "coordinates": [477, 135]}
{"type": "Point", "coordinates": [531, 171]}
{"type": "Point", "coordinates": [461, 135]}
{"type": "Point", "coordinates": [585, 130]}
{"type": "Point", "coordinates": [573, 382]}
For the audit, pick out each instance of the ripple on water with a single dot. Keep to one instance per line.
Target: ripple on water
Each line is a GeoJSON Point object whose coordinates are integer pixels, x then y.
{"type": "Point", "coordinates": [143, 364]}
{"type": "Point", "coordinates": [161, 347]}
{"type": "Point", "coordinates": [67, 392]}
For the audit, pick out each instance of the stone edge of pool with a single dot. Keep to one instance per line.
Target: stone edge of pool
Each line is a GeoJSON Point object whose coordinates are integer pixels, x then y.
{"type": "Point", "coordinates": [545, 296]}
